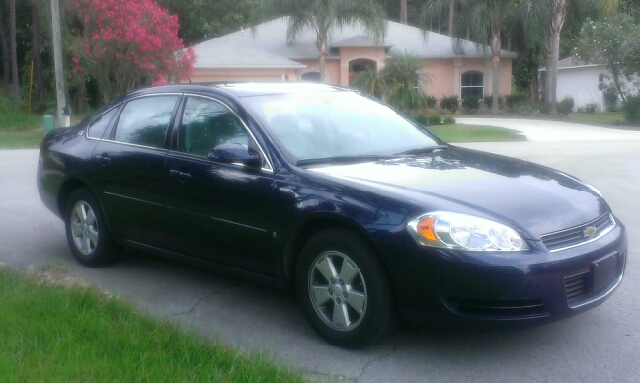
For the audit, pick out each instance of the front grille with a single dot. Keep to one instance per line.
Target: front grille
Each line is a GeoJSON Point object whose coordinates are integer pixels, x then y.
{"type": "Point", "coordinates": [577, 236]}
{"type": "Point", "coordinates": [498, 309]}
{"type": "Point", "coordinates": [576, 286]}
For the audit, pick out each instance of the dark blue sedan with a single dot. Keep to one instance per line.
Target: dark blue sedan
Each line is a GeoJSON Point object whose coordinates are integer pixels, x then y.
{"type": "Point", "coordinates": [363, 212]}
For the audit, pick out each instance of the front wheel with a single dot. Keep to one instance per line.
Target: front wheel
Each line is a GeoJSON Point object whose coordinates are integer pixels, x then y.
{"type": "Point", "coordinates": [87, 232]}
{"type": "Point", "coordinates": [343, 289]}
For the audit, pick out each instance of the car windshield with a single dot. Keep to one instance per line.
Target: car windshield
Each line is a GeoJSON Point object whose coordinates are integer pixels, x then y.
{"type": "Point", "coordinates": [310, 127]}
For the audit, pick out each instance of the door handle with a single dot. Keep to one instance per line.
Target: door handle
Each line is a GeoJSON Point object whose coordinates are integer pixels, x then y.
{"type": "Point", "coordinates": [182, 177]}
{"type": "Point", "coordinates": [102, 160]}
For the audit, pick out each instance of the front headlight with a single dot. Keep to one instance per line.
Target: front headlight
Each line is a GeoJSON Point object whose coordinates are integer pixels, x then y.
{"type": "Point", "coordinates": [464, 232]}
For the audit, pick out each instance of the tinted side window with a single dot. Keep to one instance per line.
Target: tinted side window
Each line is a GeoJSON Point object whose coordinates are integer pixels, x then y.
{"type": "Point", "coordinates": [145, 121]}
{"type": "Point", "coordinates": [206, 124]}
{"type": "Point", "coordinates": [98, 126]}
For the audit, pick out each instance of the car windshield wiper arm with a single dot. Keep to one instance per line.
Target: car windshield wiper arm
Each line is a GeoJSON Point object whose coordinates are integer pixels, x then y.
{"type": "Point", "coordinates": [426, 149]}
{"type": "Point", "coordinates": [344, 159]}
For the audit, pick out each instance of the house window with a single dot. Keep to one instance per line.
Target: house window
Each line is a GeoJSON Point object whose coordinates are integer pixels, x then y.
{"type": "Point", "coordinates": [472, 84]}
{"type": "Point", "coordinates": [601, 82]}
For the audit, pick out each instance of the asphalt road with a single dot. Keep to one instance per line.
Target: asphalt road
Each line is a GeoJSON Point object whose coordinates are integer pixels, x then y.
{"type": "Point", "coordinates": [602, 345]}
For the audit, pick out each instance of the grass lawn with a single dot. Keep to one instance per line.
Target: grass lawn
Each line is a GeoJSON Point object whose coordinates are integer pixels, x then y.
{"type": "Point", "coordinates": [474, 133]}
{"type": "Point", "coordinates": [20, 131]}
{"type": "Point", "coordinates": [607, 119]}
{"type": "Point", "coordinates": [54, 333]}
{"type": "Point", "coordinates": [20, 139]}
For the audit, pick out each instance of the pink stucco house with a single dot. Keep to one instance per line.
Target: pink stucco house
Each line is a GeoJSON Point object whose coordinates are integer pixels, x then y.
{"type": "Point", "coordinates": [264, 55]}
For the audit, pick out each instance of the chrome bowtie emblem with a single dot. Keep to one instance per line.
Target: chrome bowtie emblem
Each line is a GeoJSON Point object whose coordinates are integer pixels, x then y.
{"type": "Point", "coordinates": [589, 231]}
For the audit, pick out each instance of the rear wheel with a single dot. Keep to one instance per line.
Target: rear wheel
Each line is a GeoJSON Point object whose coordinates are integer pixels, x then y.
{"type": "Point", "coordinates": [343, 289]}
{"type": "Point", "coordinates": [87, 232]}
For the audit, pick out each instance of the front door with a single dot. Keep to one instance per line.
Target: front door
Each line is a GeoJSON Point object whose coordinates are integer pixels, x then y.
{"type": "Point", "coordinates": [219, 212]}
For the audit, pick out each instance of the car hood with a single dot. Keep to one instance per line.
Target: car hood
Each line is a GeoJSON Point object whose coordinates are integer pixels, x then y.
{"type": "Point", "coordinates": [534, 199]}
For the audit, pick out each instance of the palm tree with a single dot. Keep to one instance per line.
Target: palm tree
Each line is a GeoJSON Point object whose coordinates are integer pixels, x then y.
{"type": "Point", "coordinates": [321, 16]}
{"type": "Point", "coordinates": [403, 79]}
{"type": "Point", "coordinates": [483, 21]}
{"type": "Point", "coordinates": [548, 17]}
{"type": "Point", "coordinates": [399, 82]}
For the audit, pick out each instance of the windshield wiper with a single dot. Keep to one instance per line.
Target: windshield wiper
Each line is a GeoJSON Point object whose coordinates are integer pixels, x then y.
{"type": "Point", "coordinates": [344, 159]}
{"type": "Point", "coordinates": [425, 150]}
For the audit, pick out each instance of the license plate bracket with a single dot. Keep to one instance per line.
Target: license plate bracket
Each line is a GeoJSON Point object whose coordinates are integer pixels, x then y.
{"type": "Point", "coordinates": [605, 270]}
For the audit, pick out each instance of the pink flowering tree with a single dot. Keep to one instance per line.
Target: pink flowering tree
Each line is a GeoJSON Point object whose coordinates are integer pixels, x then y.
{"type": "Point", "coordinates": [126, 44]}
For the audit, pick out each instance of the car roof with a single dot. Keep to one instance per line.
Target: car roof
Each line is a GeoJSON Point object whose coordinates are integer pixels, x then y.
{"type": "Point", "coordinates": [246, 89]}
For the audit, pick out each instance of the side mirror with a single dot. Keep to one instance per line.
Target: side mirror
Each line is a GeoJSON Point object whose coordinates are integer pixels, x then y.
{"type": "Point", "coordinates": [228, 153]}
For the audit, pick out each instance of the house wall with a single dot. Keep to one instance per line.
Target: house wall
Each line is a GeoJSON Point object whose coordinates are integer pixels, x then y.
{"type": "Point", "coordinates": [581, 83]}
{"type": "Point", "coordinates": [348, 54]}
{"type": "Point", "coordinates": [446, 75]}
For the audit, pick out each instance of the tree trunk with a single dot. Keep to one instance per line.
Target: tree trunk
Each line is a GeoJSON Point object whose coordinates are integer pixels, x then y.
{"type": "Point", "coordinates": [496, 46]}
{"type": "Point", "coordinates": [37, 47]}
{"type": "Point", "coordinates": [321, 64]}
{"type": "Point", "coordinates": [452, 10]}
{"type": "Point", "coordinates": [403, 11]}
{"type": "Point", "coordinates": [557, 21]}
{"type": "Point", "coordinates": [6, 57]}
{"type": "Point", "coordinates": [15, 82]}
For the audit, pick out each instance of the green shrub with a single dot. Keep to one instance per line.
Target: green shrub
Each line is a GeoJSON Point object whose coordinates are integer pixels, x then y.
{"type": "Point", "coordinates": [435, 119]}
{"type": "Point", "coordinates": [471, 101]}
{"type": "Point", "coordinates": [526, 110]}
{"type": "Point", "coordinates": [591, 108]}
{"type": "Point", "coordinates": [448, 120]}
{"type": "Point", "coordinates": [516, 99]}
{"type": "Point", "coordinates": [431, 101]}
{"type": "Point", "coordinates": [421, 119]}
{"type": "Point", "coordinates": [631, 109]}
{"type": "Point", "coordinates": [449, 104]}
{"type": "Point", "coordinates": [565, 106]}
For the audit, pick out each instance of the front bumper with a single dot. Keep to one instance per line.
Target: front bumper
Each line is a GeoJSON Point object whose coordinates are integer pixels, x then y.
{"type": "Point", "coordinates": [533, 287]}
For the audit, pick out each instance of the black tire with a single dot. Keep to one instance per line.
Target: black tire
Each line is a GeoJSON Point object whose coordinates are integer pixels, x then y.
{"type": "Point", "coordinates": [87, 232]}
{"type": "Point", "coordinates": [343, 289]}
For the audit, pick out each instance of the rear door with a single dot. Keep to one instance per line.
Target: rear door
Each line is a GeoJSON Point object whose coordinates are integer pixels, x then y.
{"type": "Point", "coordinates": [218, 212]}
{"type": "Point", "coordinates": [129, 168]}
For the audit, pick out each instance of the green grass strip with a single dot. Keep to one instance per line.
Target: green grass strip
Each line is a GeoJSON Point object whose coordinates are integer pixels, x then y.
{"type": "Point", "coordinates": [51, 333]}
{"type": "Point", "coordinates": [474, 133]}
{"type": "Point", "coordinates": [21, 139]}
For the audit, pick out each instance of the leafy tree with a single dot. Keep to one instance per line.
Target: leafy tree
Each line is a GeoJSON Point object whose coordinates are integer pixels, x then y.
{"type": "Point", "coordinates": [125, 44]}
{"type": "Point", "coordinates": [484, 21]}
{"type": "Point", "coordinates": [615, 42]}
{"type": "Point", "coordinates": [203, 19]}
{"type": "Point", "coordinates": [322, 16]}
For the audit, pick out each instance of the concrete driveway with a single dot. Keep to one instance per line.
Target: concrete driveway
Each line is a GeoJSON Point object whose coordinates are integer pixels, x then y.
{"type": "Point", "coordinates": [548, 130]}
{"type": "Point", "coordinates": [601, 345]}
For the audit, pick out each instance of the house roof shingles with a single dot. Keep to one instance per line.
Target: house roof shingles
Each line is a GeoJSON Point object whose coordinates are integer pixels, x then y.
{"type": "Point", "coordinates": [266, 46]}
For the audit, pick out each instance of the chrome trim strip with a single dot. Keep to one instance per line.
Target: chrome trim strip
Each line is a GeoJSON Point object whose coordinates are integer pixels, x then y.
{"type": "Point", "coordinates": [135, 145]}
{"type": "Point", "coordinates": [604, 293]}
{"type": "Point", "coordinates": [131, 198]}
